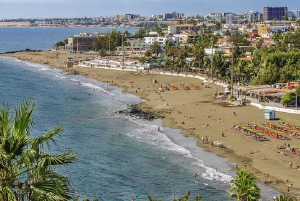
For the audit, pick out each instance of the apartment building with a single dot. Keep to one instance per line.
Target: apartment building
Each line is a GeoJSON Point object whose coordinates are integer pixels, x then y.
{"type": "Point", "coordinates": [173, 15]}
{"type": "Point", "coordinates": [126, 17]}
{"type": "Point", "coordinates": [268, 31]}
{"type": "Point", "coordinates": [295, 13]}
{"type": "Point", "coordinates": [179, 28]}
{"type": "Point", "coordinates": [162, 40]}
{"type": "Point", "coordinates": [271, 13]}
{"type": "Point", "coordinates": [82, 42]}
{"type": "Point", "coordinates": [263, 31]}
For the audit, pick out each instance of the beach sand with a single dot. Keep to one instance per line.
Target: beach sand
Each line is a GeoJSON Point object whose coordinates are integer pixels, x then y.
{"type": "Point", "coordinates": [197, 108]}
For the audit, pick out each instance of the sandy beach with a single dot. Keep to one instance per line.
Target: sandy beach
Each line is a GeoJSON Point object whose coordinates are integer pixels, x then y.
{"type": "Point", "coordinates": [197, 113]}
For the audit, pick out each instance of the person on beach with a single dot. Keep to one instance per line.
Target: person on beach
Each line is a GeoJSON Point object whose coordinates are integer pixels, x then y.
{"type": "Point", "coordinates": [234, 113]}
{"type": "Point", "coordinates": [291, 164]}
{"type": "Point", "coordinates": [158, 128]}
{"type": "Point", "coordinates": [223, 135]}
{"type": "Point", "coordinates": [195, 173]}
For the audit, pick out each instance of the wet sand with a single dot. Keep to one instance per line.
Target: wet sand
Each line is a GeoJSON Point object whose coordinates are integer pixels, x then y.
{"type": "Point", "coordinates": [203, 116]}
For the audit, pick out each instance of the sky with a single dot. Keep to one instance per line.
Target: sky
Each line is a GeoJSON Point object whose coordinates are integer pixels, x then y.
{"type": "Point", "coordinates": [12, 9]}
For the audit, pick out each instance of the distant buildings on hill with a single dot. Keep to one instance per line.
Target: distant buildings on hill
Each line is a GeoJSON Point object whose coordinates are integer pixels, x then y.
{"type": "Point", "coordinates": [172, 18]}
{"type": "Point", "coordinates": [126, 17]}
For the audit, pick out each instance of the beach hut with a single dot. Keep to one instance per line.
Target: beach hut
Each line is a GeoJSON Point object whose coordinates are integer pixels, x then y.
{"type": "Point", "coordinates": [269, 114]}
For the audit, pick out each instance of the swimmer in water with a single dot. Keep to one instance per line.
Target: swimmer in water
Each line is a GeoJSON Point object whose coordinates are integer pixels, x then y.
{"type": "Point", "coordinates": [196, 173]}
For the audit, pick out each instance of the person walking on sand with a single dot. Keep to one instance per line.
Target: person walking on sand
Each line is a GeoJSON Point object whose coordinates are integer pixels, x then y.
{"type": "Point", "coordinates": [291, 164]}
{"type": "Point", "coordinates": [234, 113]}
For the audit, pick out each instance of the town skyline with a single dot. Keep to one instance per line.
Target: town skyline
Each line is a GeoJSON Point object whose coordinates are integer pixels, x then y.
{"type": "Point", "coordinates": [12, 9]}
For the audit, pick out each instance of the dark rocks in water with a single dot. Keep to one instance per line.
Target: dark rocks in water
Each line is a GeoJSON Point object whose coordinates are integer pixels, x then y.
{"type": "Point", "coordinates": [74, 72]}
{"type": "Point", "coordinates": [143, 112]}
{"type": "Point", "coordinates": [25, 50]}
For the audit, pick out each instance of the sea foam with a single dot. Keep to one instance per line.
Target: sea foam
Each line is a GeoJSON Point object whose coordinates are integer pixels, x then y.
{"type": "Point", "coordinates": [149, 134]}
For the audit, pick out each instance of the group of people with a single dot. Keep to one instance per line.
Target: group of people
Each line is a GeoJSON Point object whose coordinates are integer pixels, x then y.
{"type": "Point", "coordinates": [253, 151]}
{"type": "Point", "coordinates": [204, 139]}
{"type": "Point", "coordinates": [289, 149]}
{"type": "Point", "coordinates": [249, 133]}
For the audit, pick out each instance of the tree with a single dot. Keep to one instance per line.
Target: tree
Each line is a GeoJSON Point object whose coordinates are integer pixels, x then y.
{"type": "Point", "coordinates": [159, 31]}
{"type": "Point", "coordinates": [167, 47]}
{"type": "Point", "coordinates": [277, 37]}
{"type": "Point", "coordinates": [109, 41]}
{"type": "Point", "coordinates": [203, 27]}
{"type": "Point", "coordinates": [238, 39]}
{"type": "Point", "coordinates": [141, 33]}
{"type": "Point", "coordinates": [26, 170]}
{"type": "Point", "coordinates": [126, 34]}
{"type": "Point", "coordinates": [60, 43]}
{"type": "Point", "coordinates": [285, 198]}
{"type": "Point", "coordinates": [148, 53]}
{"type": "Point", "coordinates": [297, 92]}
{"type": "Point", "coordinates": [155, 48]}
{"type": "Point", "coordinates": [192, 22]}
{"type": "Point", "coordinates": [245, 188]}
{"type": "Point", "coordinates": [287, 98]}
{"type": "Point", "coordinates": [259, 43]}
{"type": "Point", "coordinates": [199, 53]}
{"type": "Point", "coordinates": [220, 64]}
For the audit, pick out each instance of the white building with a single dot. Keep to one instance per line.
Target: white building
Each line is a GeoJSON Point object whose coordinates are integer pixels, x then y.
{"type": "Point", "coordinates": [295, 13]}
{"type": "Point", "coordinates": [281, 29]}
{"type": "Point", "coordinates": [161, 40]}
{"type": "Point", "coordinates": [151, 39]}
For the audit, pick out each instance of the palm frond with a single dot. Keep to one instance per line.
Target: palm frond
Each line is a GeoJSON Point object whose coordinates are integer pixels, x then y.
{"type": "Point", "coordinates": [5, 121]}
{"type": "Point", "coordinates": [23, 118]}
{"type": "Point", "coordinates": [39, 142]}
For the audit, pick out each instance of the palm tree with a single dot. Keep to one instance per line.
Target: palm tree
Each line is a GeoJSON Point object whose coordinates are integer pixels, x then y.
{"type": "Point", "coordinates": [219, 61]}
{"type": "Point", "coordinates": [167, 64]}
{"type": "Point", "coordinates": [182, 54]}
{"type": "Point", "coordinates": [245, 188]}
{"type": "Point", "coordinates": [155, 48]}
{"type": "Point", "coordinates": [167, 47]}
{"type": "Point", "coordinates": [26, 170]}
{"type": "Point", "coordinates": [199, 53]}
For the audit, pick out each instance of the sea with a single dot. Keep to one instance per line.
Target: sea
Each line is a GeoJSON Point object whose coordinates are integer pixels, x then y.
{"type": "Point", "coordinates": [120, 157]}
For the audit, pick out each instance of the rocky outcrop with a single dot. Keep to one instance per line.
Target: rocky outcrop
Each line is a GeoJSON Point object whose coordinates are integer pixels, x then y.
{"type": "Point", "coordinates": [144, 112]}
{"type": "Point", "coordinates": [25, 50]}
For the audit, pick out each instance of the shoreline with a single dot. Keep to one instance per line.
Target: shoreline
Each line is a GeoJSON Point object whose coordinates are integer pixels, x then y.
{"type": "Point", "coordinates": [29, 26]}
{"type": "Point", "coordinates": [193, 107]}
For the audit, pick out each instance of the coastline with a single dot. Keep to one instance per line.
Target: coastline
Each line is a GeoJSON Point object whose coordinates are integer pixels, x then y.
{"type": "Point", "coordinates": [193, 107]}
{"type": "Point", "coordinates": [57, 26]}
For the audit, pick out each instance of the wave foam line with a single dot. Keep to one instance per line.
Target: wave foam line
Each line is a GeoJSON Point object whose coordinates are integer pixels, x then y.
{"type": "Point", "coordinates": [150, 135]}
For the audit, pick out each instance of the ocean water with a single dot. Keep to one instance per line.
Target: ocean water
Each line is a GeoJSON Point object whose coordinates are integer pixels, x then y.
{"type": "Point", "coordinates": [120, 158]}
{"type": "Point", "coordinates": [19, 38]}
